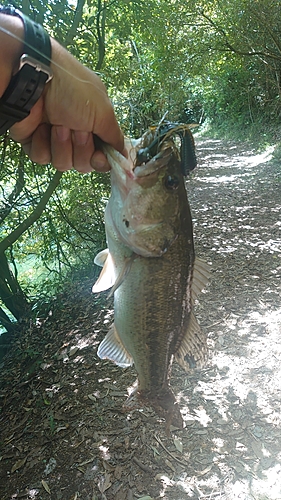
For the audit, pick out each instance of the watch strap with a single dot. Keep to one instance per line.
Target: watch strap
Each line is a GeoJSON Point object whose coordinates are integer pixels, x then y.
{"type": "Point", "coordinates": [27, 85]}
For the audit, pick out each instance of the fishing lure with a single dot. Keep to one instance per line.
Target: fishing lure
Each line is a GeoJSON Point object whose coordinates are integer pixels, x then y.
{"type": "Point", "coordinates": [187, 148]}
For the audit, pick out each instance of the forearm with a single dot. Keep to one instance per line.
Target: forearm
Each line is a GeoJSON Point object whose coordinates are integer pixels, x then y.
{"type": "Point", "coordinates": [10, 48]}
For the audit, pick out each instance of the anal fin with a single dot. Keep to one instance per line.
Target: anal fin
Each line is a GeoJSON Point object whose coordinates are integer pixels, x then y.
{"type": "Point", "coordinates": [112, 348]}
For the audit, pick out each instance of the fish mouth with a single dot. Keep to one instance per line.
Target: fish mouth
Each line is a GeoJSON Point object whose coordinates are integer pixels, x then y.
{"type": "Point", "coordinates": [127, 168]}
{"type": "Point", "coordinates": [156, 163]}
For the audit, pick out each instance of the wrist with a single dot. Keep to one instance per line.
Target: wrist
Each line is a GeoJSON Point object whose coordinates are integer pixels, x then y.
{"type": "Point", "coordinates": [10, 48]}
{"type": "Point", "coordinates": [32, 58]}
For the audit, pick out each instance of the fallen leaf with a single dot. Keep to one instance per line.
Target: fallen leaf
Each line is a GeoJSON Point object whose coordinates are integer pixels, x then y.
{"type": "Point", "coordinates": [46, 486]}
{"type": "Point", "coordinates": [104, 483]}
{"type": "Point", "coordinates": [178, 444]}
{"type": "Point", "coordinates": [18, 465]}
{"type": "Point", "coordinates": [73, 351]}
{"type": "Point", "coordinates": [170, 465]}
{"type": "Point", "coordinates": [166, 480]}
{"type": "Point", "coordinates": [155, 451]}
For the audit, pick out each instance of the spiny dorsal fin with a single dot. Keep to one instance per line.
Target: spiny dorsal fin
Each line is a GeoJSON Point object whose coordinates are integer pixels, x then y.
{"type": "Point", "coordinates": [201, 274]}
{"type": "Point", "coordinates": [112, 348]}
{"type": "Point", "coordinates": [107, 276]}
{"type": "Point", "coordinates": [193, 350]}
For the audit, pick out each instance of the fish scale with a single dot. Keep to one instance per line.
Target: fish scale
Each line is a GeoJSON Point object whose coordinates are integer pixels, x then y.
{"type": "Point", "coordinates": [151, 265]}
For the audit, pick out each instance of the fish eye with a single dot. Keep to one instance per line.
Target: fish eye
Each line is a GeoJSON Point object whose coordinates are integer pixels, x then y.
{"type": "Point", "coordinates": [171, 182]}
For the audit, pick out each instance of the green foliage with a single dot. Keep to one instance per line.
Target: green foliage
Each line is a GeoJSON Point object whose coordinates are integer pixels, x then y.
{"type": "Point", "coordinates": [218, 61]}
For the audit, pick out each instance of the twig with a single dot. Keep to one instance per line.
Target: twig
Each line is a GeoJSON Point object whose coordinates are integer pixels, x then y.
{"type": "Point", "coordinates": [145, 468]}
{"type": "Point", "coordinates": [167, 451]}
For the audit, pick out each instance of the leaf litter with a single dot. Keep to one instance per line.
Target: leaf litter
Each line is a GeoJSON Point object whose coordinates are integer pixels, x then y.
{"type": "Point", "coordinates": [64, 434]}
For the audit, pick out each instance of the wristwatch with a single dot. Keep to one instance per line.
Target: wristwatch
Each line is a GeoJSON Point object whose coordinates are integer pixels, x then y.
{"type": "Point", "coordinates": [27, 85]}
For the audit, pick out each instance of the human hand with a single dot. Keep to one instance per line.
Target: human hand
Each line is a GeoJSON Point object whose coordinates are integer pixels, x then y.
{"type": "Point", "coordinates": [73, 107]}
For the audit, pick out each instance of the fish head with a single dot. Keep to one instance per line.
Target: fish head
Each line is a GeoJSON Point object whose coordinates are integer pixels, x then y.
{"type": "Point", "coordinates": [147, 199]}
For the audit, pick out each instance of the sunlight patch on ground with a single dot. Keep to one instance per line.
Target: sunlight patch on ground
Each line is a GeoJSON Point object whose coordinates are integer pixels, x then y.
{"type": "Point", "coordinates": [257, 359]}
{"type": "Point", "coordinates": [265, 488]}
{"type": "Point", "coordinates": [256, 160]}
{"type": "Point", "coordinates": [243, 390]}
{"type": "Point", "coordinates": [238, 162]}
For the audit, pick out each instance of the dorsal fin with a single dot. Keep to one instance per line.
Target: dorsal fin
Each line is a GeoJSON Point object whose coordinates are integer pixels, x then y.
{"type": "Point", "coordinates": [112, 348]}
{"type": "Point", "coordinates": [192, 352]}
{"type": "Point", "coordinates": [201, 274]}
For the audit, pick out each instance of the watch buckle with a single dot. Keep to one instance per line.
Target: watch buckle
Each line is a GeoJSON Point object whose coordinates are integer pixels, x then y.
{"type": "Point", "coordinates": [37, 65]}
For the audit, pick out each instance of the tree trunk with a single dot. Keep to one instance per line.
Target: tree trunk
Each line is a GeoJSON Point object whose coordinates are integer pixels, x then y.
{"type": "Point", "coordinates": [100, 25]}
{"type": "Point", "coordinates": [11, 292]}
{"type": "Point", "coordinates": [77, 19]}
{"type": "Point", "coordinates": [6, 322]}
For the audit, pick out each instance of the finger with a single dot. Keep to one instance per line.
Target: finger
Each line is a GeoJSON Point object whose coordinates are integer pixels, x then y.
{"type": "Point", "coordinates": [23, 130]}
{"type": "Point", "coordinates": [108, 129]}
{"type": "Point", "coordinates": [99, 162]}
{"type": "Point", "coordinates": [61, 148]}
{"type": "Point", "coordinates": [38, 146]}
{"type": "Point", "coordinates": [83, 149]}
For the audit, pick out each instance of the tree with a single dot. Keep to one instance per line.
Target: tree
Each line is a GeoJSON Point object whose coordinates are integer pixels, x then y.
{"type": "Point", "coordinates": [26, 191]}
{"type": "Point", "coordinates": [214, 58]}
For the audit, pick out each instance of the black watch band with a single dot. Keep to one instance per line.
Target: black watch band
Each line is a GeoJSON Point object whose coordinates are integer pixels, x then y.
{"type": "Point", "coordinates": [27, 85]}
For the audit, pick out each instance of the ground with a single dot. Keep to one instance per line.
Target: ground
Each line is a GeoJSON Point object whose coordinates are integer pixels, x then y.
{"type": "Point", "coordinates": [64, 433]}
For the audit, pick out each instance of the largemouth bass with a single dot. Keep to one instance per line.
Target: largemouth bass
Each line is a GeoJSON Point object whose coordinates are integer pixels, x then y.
{"type": "Point", "coordinates": [150, 263]}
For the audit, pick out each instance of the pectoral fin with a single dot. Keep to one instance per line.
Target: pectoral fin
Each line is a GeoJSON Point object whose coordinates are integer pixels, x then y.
{"type": "Point", "coordinates": [201, 274]}
{"type": "Point", "coordinates": [112, 348]}
{"type": "Point", "coordinates": [101, 257]}
{"type": "Point", "coordinates": [107, 276]}
{"type": "Point", "coordinates": [123, 273]}
{"type": "Point", "coordinates": [192, 352]}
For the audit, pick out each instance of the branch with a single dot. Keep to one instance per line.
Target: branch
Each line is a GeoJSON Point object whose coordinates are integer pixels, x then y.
{"type": "Point", "coordinates": [231, 47]}
{"type": "Point", "coordinates": [76, 21]}
{"type": "Point", "coordinates": [19, 185]}
{"type": "Point", "coordinates": [262, 19]}
{"type": "Point", "coordinates": [100, 25]}
{"type": "Point", "coordinates": [14, 235]}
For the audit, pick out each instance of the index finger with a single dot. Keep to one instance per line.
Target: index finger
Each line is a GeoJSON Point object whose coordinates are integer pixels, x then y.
{"type": "Point", "coordinates": [108, 130]}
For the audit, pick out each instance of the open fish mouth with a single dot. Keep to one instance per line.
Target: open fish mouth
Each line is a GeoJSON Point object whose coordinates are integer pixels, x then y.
{"type": "Point", "coordinates": [153, 165]}
{"type": "Point", "coordinates": [152, 152]}
{"type": "Point", "coordinates": [161, 137]}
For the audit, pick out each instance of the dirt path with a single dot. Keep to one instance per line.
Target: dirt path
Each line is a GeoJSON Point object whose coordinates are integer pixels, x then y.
{"type": "Point", "coordinates": [64, 435]}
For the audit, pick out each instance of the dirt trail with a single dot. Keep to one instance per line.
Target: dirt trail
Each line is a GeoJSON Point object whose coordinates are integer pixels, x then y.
{"type": "Point", "coordinates": [64, 435]}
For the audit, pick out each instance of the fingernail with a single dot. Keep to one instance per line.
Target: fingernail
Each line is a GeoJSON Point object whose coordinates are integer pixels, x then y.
{"type": "Point", "coordinates": [63, 133]}
{"type": "Point", "coordinates": [81, 138]}
{"type": "Point", "coordinates": [99, 165]}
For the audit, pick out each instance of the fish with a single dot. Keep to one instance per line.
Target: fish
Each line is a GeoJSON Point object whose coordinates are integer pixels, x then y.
{"type": "Point", "coordinates": [152, 271]}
